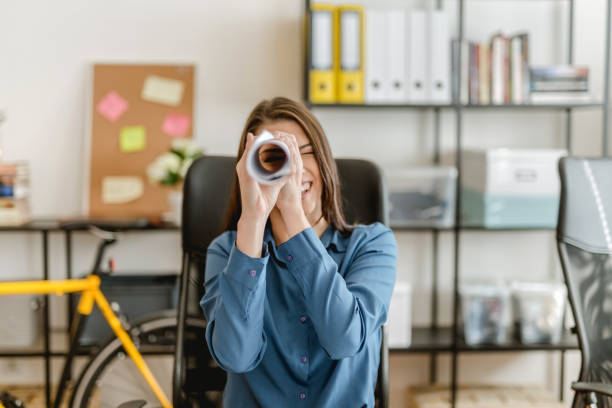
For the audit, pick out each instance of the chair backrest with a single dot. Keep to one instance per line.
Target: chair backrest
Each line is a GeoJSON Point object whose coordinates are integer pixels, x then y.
{"type": "Point", "coordinates": [205, 196]}
{"type": "Point", "coordinates": [209, 183]}
{"type": "Point", "coordinates": [585, 249]}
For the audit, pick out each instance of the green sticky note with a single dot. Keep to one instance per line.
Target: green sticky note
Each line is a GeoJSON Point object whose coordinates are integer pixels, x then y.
{"type": "Point", "coordinates": [132, 139]}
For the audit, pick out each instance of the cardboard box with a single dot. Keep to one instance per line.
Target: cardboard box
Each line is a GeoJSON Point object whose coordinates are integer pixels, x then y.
{"type": "Point", "coordinates": [510, 188]}
{"type": "Point", "coordinates": [512, 171]}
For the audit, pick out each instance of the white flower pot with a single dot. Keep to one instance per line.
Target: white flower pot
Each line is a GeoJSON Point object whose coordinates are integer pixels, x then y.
{"type": "Point", "coordinates": [175, 199]}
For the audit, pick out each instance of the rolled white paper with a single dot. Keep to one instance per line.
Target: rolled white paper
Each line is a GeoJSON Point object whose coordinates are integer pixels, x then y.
{"type": "Point", "coordinates": [255, 167]}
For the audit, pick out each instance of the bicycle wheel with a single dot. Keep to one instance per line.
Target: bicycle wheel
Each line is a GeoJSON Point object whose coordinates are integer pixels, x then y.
{"type": "Point", "coordinates": [111, 377]}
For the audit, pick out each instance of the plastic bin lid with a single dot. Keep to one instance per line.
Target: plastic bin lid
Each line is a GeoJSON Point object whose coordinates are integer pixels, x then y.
{"type": "Point", "coordinates": [538, 287]}
{"type": "Point", "coordinates": [484, 289]}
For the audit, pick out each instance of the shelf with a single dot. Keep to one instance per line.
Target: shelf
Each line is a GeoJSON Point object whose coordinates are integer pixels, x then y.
{"type": "Point", "coordinates": [469, 228]}
{"type": "Point", "coordinates": [427, 340]}
{"type": "Point", "coordinates": [527, 106]}
{"type": "Point", "coordinates": [505, 229]}
{"type": "Point", "coordinates": [59, 347]}
{"type": "Point", "coordinates": [81, 224]}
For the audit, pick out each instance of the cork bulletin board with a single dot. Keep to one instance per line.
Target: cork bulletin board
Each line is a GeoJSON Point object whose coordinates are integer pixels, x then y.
{"type": "Point", "coordinates": [136, 113]}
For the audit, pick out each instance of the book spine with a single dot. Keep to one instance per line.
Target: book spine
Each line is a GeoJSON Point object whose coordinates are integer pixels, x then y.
{"type": "Point", "coordinates": [473, 74]}
{"type": "Point", "coordinates": [465, 71]}
{"type": "Point", "coordinates": [497, 70]}
{"type": "Point", "coordinates": [516, 83]}
{"type": "Point", "coordinates": [506, 66]}
{"type": "Point", "coordinates": [483, 74]}
{"type": "Point", "coordinates": [455, 61]}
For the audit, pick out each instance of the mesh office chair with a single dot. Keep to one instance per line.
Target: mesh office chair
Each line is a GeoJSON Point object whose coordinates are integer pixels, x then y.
{"type": "Point", "coordinates": [585, 249]}
{"type": "Point", "coordinates": [206, 192]}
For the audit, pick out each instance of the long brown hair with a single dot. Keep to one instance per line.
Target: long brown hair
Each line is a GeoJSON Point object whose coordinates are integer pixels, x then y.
{"type": "Point", "coordinates": [283, 108]}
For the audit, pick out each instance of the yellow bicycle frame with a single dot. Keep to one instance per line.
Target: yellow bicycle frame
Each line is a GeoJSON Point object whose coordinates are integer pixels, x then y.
{"type": "Point", "coordinates": [90, 287]}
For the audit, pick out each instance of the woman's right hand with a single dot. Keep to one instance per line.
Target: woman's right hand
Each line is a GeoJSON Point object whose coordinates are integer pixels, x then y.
{"type": "Point", "coordinates": [257, 200]}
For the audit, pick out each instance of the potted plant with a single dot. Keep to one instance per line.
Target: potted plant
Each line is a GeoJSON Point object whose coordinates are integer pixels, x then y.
{"type": "Point", "coordinates": [169, 170]}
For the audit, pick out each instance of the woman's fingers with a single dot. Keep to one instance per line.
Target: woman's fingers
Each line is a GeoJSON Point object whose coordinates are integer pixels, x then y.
{"type": "Point", "coordinates": [291, 142]}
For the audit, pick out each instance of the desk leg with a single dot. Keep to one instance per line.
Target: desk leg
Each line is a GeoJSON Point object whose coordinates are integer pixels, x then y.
{"type": "Point", "coordinates": [47, 352]}
{"type": "Point", "coordinates": [562, 377]}
{"type": "Point", "coordinates": [70, 296]}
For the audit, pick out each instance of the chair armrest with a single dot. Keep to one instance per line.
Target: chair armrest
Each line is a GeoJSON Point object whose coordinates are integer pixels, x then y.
{"type": "Point", "coordinates": [599, 388]}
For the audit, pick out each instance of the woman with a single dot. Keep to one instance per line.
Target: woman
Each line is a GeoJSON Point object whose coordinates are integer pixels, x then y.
{"type": "Point", "coordinates": [295, 297]}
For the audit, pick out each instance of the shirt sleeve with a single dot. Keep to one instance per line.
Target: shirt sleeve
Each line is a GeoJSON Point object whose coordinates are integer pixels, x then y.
{"type": "Point", "coordinates": [344, 311]}
{"type": "Point", "coordinates": [233, 303]}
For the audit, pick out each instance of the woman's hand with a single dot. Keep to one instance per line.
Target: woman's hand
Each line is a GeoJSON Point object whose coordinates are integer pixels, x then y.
{"type": "Point", "coordinates": [257, 202]}
{"type": "Point", "coordinates": [289, 200]}
{"type": "Point", "coordinates": [257, 199]}
{"type": "Point", "coordinates": [290, 196]}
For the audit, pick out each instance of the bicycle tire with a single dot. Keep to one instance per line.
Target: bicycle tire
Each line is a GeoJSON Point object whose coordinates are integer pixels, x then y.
{"type": "Point", "coordinates": [152, 337]}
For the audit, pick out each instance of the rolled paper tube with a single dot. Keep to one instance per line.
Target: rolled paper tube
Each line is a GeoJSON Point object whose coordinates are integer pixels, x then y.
{"type": "Point", "coordinates": [268, 161]}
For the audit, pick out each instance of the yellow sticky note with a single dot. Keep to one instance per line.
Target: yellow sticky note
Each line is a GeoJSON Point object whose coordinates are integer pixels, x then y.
{"type": "Point", "coordinates": [132, 139]}
{"type": "Point", "coordinates": [167, 91]}
{"type": "Point", "coordinates": [121, 189]}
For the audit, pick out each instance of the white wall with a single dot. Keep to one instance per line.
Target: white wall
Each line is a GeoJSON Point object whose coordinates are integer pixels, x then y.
{"type": "Point", "coordinates": [246, 51]}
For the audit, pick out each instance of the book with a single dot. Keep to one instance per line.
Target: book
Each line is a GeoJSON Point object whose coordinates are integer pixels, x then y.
{"type": "Point", "coordinates": [558, 72]}
{"type": "Point", "coordinates": [559, 78]}
{"type": "Point", "coordinates": [474, 56]}
{"type": "Point", "coordinates": [484, 74]}
{"type": "Point", "coordinates": [519, 68]}
{"type": "Point", "coordinates": [499, 71]}
{"type": "Point", "coordinates": [560, 97]}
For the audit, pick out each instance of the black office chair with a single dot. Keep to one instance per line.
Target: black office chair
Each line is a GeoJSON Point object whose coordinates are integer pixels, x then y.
{"type": "Point", "coordinates": [585, 249]}
{"type": "Point", "coordinates": [206, 192]}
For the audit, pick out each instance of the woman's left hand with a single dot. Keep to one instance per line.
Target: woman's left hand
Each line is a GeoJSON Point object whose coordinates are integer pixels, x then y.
{"type": "Point", "coordinates": [290, 197]}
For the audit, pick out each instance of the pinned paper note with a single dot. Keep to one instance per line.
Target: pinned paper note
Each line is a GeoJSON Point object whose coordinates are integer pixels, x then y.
{"type": "Point", "coordinates": [176, 124]}
{"type": "Point", "coordinates": [112, 106]}
{"type": "Point", "coordinates": [121, 189]}
{"type": "Point", "coordinates": [163, 90]}
{"type": "Point", "coordinates": [132, 139]}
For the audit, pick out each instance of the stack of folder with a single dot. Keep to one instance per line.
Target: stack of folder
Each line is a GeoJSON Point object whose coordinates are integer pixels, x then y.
{"type": "Point", "coordinates": [378, 55]}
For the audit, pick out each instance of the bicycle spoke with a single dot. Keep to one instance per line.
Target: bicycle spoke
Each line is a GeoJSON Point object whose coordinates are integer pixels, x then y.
{"type": "Point", "coordinates": [123, 382]}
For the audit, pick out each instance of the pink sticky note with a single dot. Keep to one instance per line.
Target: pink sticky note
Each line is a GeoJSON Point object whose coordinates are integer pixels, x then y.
{"type": "Point", "coordinates": [112, 106]}
{"type": "Point", "coordinates": [176, 124]}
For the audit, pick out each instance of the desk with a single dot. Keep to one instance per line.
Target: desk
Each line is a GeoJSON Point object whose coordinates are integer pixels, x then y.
{"type": "Point", "coordinates": [67, 225]}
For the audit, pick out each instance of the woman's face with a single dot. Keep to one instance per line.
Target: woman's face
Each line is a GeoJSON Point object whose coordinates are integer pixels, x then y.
{"type": "Point", "coordinates": [311, 176]}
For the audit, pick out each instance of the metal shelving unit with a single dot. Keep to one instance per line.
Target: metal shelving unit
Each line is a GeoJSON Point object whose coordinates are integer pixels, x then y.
{"type": "Point", "coordinates": [436, 339]}
{"type": "Point", "coordinates": [527, 106]}
{"type": "Point", "coordinates": [426, 340]}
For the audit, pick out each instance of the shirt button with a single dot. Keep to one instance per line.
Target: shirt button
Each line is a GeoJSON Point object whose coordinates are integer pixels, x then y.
{"type": "Point", "coordinates": [302, 395]}
{"type": "Point", "coordinates": [303, 319]}
{"type": "Point", "coordinates": [304, 359]}
{"type": "Point", "coordinates": [289, 258]}
{"type": "Point", "coordinates": [252, 272]}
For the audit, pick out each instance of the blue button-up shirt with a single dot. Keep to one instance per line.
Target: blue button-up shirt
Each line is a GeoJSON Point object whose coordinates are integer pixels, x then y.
{"type": "Point", "coordinates": [300, 327]}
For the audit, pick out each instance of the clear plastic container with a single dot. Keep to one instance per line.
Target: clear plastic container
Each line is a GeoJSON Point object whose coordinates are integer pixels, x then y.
{"type": "Point", "coordinates": [485, 313]}
{"type": "Point", "coordinates": [422, 196]}
{"type": "Point", "coordinates": [14, 193]}
{"type": "Point", "coordinates": [539, 310]}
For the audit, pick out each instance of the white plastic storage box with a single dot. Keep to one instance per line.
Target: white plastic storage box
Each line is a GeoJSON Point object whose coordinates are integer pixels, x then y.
{"type": "Point", "coordinates": [485, 313]}
{"type": "Point", "coordinates": [421, 197]}
{"type": "Point", "coordinates": [539, 311]}
{"type": "Point", "coordinates": [510, 187]}
{"type": "Point", "coordinates": [399, 322]}
{"type": "Point", "coordinates": [21, 321]}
